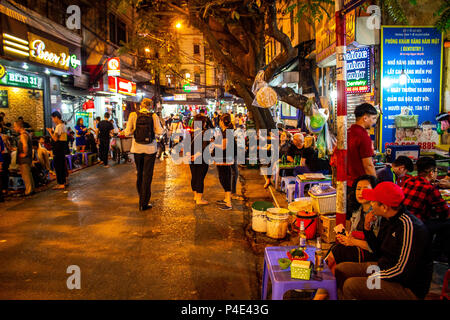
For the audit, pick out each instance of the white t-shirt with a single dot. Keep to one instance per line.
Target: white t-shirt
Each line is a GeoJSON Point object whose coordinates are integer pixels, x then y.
{"type": "Point", "coordinates": [60, 130]}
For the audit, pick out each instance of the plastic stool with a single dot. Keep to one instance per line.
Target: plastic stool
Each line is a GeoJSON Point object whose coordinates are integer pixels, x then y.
{"type": "Point", "coordinates": [286, 181]}
{"type": "Point", "coordinates": [69, 161]}
{"type": "Point", "coordinates": [16, 183]}
{"type": "Point", "coordinates": [290, 191]}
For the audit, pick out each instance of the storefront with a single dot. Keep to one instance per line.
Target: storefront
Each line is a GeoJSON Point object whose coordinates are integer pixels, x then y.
{"type": "Point", "coordinates": [34, 62]}
{"type": "Point", "coordinates": [22, 95]}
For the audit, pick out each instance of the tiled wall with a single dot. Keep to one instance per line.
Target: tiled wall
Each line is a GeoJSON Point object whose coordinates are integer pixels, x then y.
{"type": "Point", "coordinates": [22, 104]}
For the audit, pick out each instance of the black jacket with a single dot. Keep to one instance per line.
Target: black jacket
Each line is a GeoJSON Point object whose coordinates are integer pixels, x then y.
{"type": "Point", "coordinates": [403, 250]}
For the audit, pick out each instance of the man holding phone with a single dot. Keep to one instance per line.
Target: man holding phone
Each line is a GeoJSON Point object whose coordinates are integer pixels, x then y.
{"type": "Point", "coordinates": [402, 248]}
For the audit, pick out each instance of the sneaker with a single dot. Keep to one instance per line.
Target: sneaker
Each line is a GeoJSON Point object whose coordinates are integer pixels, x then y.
{"type": "Point", "coordinates": [107, 166]}
{"type": "Point", "coordinates": [237, 197]}
{"type": "Point", "coordinates": [225, 207]}
{"type": "Point", "coordinates": [220, 202]}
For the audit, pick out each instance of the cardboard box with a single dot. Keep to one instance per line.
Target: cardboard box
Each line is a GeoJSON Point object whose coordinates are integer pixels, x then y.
{"type": "Point", "coordinates": [326, 228]}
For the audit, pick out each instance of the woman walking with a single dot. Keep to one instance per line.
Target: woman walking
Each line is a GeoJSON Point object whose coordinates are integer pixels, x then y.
{"type": "Point", "coordinates": [80, 138]}
{"type": "Point", "coordinates": [60, 149]}
{"type": "Point", "coordinates": [198, 170]}
{"type": "Point", "coordinates": [224, 164]}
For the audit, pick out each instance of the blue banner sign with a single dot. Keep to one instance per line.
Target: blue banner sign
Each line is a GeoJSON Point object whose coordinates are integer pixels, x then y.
{"type": "Point", "coordinates": [358, 70]}
{"type": "Point", "coordinates": [411, 77]}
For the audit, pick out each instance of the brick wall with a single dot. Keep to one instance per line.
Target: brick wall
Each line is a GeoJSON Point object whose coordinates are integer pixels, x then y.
{"type": "Point", "coordinates": [21, 104]}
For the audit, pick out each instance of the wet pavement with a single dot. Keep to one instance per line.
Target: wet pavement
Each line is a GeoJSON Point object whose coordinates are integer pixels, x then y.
{"type": "Point", "coordinates": [176, 250]}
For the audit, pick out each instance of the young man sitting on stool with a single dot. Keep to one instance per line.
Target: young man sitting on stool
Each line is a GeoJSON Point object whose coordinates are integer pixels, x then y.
{"type": "Point", "coordinates": [402, 248]}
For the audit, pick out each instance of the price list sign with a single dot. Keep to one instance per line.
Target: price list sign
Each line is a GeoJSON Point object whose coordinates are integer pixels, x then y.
{"type": "Point", "coordinates": [411, 78]}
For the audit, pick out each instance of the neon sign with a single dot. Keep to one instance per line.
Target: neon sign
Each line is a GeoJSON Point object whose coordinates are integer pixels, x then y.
{"type": "Point", "coordinates": [358, 71]}
{"type": "Point", "coordinates": [51, 53]}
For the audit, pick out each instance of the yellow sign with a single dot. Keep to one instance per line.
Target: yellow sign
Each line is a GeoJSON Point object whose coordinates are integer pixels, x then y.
{"type": "Point", "coordinates": [2, 71]}
{"type": "Point", "coordinates": [326, 35]}
{"type": "Point", "coordinates": [48, 52]}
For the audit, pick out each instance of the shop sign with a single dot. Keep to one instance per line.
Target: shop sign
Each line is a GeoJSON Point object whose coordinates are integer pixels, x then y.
{"type": "Point", "coordinates": [40, 50]}
{"type": "Point", "coordinates": [122, 86]}
{"type": "Point", "coordinates": [326, 35]}
{"type": "Point", "coordinates": [18, 79]}
{"type": "Point", "coordinates": [51, 53]}
{"type": "Point", "coordinates": [188, 88]}
{"type": "Point", "coordinates": [114, 67]}
{"type": "Point", "coordinates": [358, 70]}
{"type": "Point", "coordinates": [2, 71]}
{"type": "Point", "coordinates": [4, 99]}
{"type": "Point", "coordinates": [179, 97]}
{"type": "Point", "coordinates": [411, 76]}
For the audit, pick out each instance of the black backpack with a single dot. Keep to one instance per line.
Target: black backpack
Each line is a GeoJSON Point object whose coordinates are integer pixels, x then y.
{"type": "Point", "coordinates": [144, 133]}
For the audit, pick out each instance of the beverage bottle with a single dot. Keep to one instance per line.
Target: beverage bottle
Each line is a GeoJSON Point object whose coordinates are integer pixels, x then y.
{"type": "Point", "coordinates": [302, 236]}
{"type": "Point", "coordinates": [318, 258]}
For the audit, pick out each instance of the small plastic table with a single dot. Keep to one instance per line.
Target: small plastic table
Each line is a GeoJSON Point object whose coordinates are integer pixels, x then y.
{"type": "Point", "coordinates": [301, 184]}
{"type": "Point", "coordinates": [282, 281]}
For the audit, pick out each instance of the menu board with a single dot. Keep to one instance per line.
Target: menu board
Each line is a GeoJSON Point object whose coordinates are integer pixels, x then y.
{"type": "Point", "coordinates": [4, 99]}
{"type": "Point", "coordinates": [411, 84]}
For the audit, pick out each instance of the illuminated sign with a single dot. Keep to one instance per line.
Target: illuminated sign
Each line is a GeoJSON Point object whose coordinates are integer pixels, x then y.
{"type": "Point", "coordinates": [122, 86]}
{"type": "Point", "coordinates": [15, 46]}
{"type": "Point", "coordinates": [188, 88]}
{"type": "Point", "coordinates": [358, 70]}
{"type": "Point", "coordinates": [179, 97]}
{"type": "Point", "coordinates": [51, 53]}
{"type": "Point", "coordinates": [19, 79]}
{"type": "Point", "coordinates": [114, 67]}
{"type": "Point", "coordinates": [2, 71]}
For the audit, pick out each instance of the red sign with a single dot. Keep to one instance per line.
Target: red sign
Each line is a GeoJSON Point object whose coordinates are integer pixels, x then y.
{"type": "Point", "coordinates": [121, 85]}
{"type": "Point", "coordinates": [114, 67]}
{"type": "Point", "coordinates": [88, 105]}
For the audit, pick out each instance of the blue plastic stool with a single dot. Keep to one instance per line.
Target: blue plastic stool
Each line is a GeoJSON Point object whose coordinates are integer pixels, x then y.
{"type": "Point", "coordinates": [300, 186]}
{"type": "Point", "coordinates": [16, 183]}
{"type": "Point", "coordinates": [285, 181]}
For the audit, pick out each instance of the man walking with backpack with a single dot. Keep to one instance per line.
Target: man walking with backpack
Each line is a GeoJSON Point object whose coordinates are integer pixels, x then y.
{"type": "Point", "coordinates": [144, 125]}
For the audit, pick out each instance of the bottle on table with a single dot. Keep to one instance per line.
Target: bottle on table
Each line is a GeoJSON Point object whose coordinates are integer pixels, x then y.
{"type": "Point", "coordinates": [302, 236]}
{"type": "Point", "coordinates": [318, 258]}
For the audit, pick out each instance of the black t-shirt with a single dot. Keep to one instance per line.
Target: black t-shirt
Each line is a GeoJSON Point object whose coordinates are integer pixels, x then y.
{"type": "Point", "coordinates": [104, 128]}
{"type": "Point", "coordinates": [304, 153]}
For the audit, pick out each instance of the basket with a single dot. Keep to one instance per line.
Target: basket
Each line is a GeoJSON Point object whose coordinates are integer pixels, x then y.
{"type": "Point", "coordinates": [323, 204]}
{"type": "Point", "coordinates": [299, 270]}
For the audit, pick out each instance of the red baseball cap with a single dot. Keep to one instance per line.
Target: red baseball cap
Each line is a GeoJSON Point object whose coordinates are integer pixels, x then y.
{"type": "Point", "coordinates": [387, 193]}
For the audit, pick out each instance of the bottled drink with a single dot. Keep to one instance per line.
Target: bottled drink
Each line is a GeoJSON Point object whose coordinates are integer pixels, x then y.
{"type": "Point", "coordinates": [302, 236]}
{"type": "Point", "coordinates": [318, 258]}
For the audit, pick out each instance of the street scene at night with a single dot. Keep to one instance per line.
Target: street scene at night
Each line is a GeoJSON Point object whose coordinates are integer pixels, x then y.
{"type": "Point", "coordinates": [250, 151]}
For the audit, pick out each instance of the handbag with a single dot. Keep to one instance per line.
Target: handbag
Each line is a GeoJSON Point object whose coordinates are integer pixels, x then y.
{"type": "Point", "coordinates": [407, 120]}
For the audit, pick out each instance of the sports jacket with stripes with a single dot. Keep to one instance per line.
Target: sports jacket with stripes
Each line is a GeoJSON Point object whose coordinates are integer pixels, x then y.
{"type": "Point", "coordinates": [403, 249]}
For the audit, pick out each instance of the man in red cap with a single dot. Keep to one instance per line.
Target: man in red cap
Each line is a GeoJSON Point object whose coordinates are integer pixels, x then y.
{"type": "Point", "coordinates": [404, 266]}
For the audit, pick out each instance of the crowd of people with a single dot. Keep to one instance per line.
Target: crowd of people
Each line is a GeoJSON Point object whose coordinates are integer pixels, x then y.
{"type": "Point", "coordinates": [398, 223]}
{"type": "Point", "coordinates": [35, 158]}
